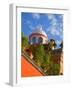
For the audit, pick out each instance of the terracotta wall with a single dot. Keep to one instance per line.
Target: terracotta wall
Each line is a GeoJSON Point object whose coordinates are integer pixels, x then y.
{"type": "Point", "coordinates": [28, 69]}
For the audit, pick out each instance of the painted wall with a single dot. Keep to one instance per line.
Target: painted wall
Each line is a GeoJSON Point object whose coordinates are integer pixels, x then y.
{"type": "Point", "coordinates": [27, 69]}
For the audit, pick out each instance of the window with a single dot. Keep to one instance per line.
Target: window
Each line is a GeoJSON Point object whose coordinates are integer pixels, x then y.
{"type": "Point", "coordinates": [34, 40]}
{"type": "Point", "coordinates": [40, 40]}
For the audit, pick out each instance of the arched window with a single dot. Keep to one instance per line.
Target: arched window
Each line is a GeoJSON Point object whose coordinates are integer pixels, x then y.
{"type": "Point", "coordinates": [34, 40]}
{"type": "Point", "coordinates": [40, 40]}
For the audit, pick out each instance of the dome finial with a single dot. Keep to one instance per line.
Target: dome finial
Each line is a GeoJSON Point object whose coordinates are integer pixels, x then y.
{"type": "Point", "coordinates": [39, 30]}
{"type": "Point", "coordinates": [39, 27]}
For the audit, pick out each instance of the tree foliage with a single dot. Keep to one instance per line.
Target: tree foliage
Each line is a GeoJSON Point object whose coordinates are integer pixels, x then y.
{"type": "Point", "coordinates": [42, 55]}
{"type": "Point", "coordinates": [44, 58]}
{"type": "Point", "coordinates": [38, 53]}
{"type": "Point", "coordinates": [24, 40]}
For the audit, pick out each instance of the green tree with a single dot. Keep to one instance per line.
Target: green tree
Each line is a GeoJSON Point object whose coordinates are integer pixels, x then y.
{"type": "Point", "coordinates": [24, 41]}
{"type": "Point", "coordinates": [44, 58]}
{"type": "Point", "coordinates": [56, 69]}
{"type": "Point", "coordinates": [38, 53]}
{"type": "Point", "coordinates": [47, 63]}
{"type": "Point", "coordinates": [49, 67]}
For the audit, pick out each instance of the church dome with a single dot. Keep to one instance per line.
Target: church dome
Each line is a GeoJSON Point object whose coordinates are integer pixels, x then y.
{"type": "Point", "coordinates": [38, 36]}
{"type": "Point", "coordinates": [39, 30]}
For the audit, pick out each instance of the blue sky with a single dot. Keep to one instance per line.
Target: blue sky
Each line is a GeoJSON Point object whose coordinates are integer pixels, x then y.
{"type": "Point", "coordinates": [52, 24]}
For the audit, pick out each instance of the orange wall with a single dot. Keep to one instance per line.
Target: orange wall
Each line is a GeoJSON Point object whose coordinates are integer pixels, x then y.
{"type": "Point", "coordinates": [28, 69]}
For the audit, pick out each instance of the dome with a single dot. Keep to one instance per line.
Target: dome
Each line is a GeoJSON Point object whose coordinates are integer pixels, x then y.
{"type": "Point", "coordinates": [38, 36]}
{"type": "Point", "coordinates": [39, 30]}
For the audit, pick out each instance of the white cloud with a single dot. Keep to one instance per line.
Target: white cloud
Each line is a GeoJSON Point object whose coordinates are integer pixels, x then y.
{"type": "Point", "coordinates": [50, 16]}
{"type": "Point", "coordinates": [54, 22]}
{"type": "Point", "coordinates": [58, 42]}
{"type": "Point", "coordinates": [29, 25]}
{"type": "Point", "coordinates": [55, 32]}
{"type": "Point", "coordinates": [36, 15]}
{"type": "Point", "coordinates": [55, 27]}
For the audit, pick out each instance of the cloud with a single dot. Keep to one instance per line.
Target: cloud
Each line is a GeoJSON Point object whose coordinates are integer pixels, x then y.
{"type": "Point", "coordinates": [58, 42]}
{"type": "Point", "coordinates": [31, 27]}
{"type": "Point", "coordinates": [55, 32]}
{"type": "Point", "coordinates": [50, 16]}
{"type": "Point", "coordinates": [36, 15]}
{"type": "Point", "coordinates": [56, 27]}
{"type": "Point", "coordinates": [29, 24]}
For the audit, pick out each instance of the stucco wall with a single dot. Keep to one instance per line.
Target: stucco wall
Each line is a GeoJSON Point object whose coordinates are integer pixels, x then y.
{"type": "Point", "coordinates": [28, 69]}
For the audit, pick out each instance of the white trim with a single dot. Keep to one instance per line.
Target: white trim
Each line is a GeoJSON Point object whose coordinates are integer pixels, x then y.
{"type": "Point", "coordinates": [12, 39]}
